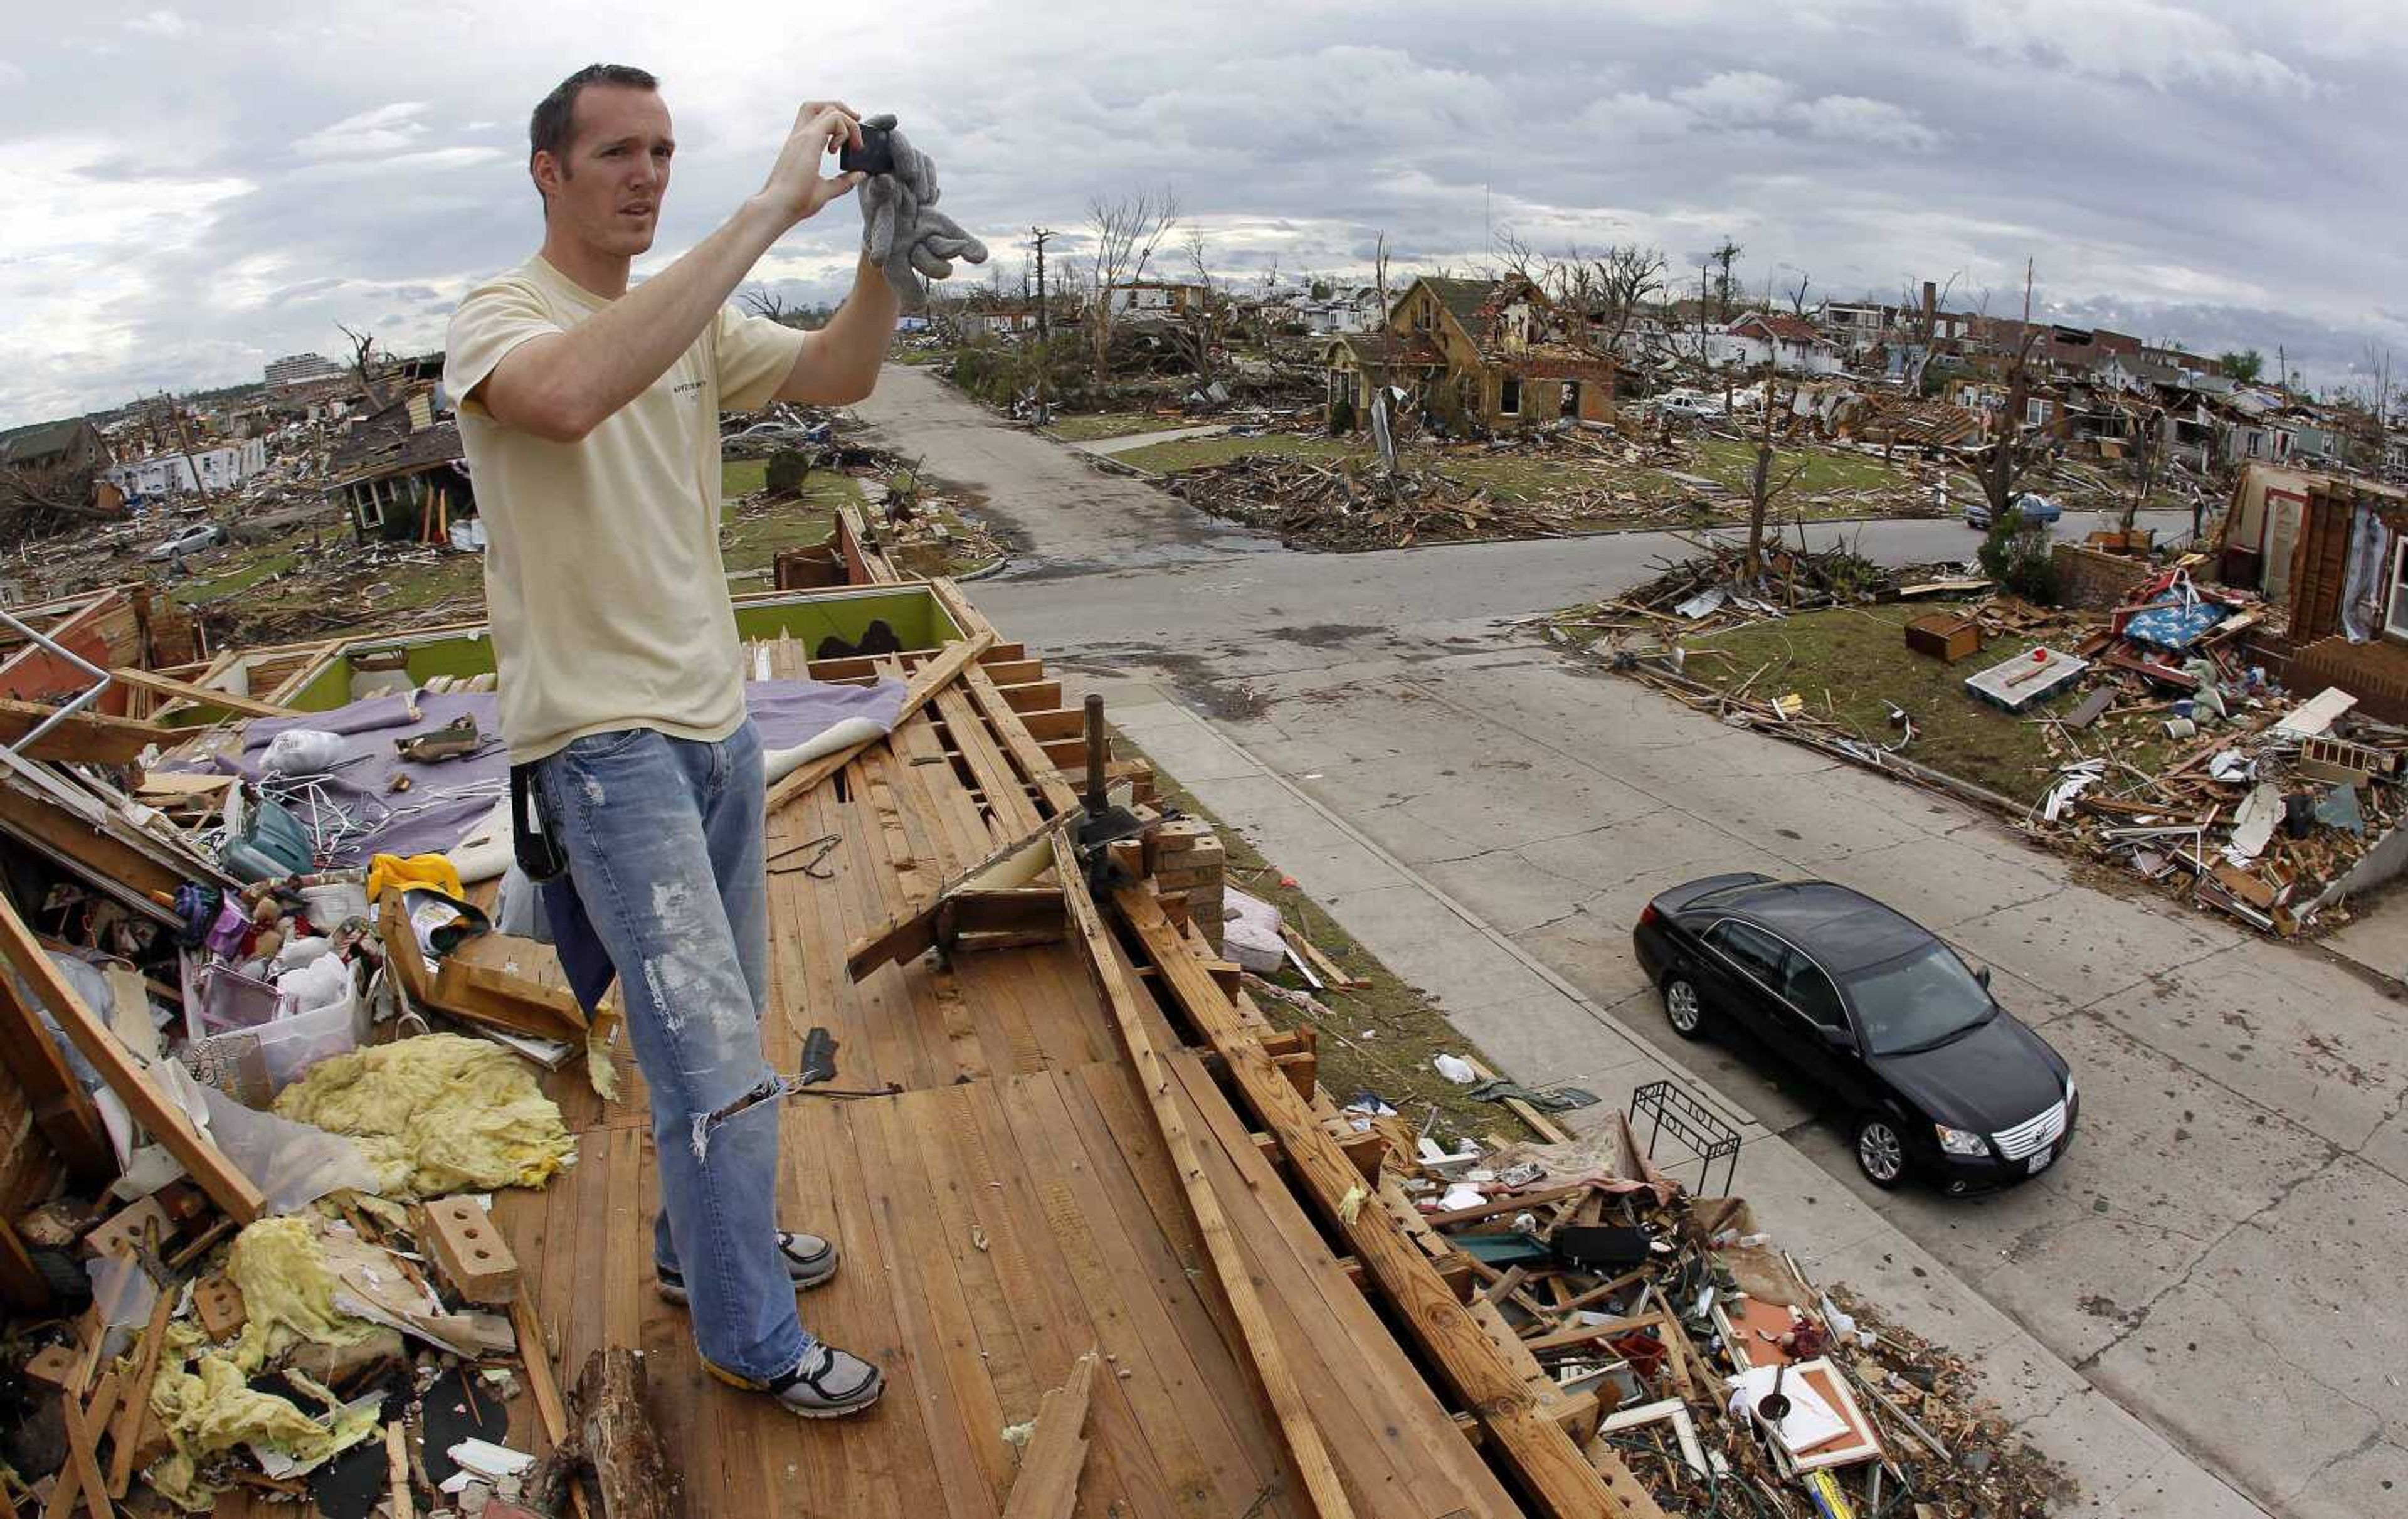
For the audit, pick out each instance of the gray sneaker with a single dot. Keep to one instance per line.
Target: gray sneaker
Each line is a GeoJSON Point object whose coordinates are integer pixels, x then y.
{"type": "Point", "coordinates": [826, 1383]}
{"type": "Point", "coordinates": [810, 1261]}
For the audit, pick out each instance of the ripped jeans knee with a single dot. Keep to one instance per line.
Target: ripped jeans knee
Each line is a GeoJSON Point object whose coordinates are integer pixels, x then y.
{"type": "Point", "coordinates": [772, 1090]}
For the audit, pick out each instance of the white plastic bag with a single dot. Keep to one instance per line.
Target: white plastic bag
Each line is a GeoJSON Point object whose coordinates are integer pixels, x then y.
{"type": "Point", "coordinates": [1251, 934]}
{"type": "Point", "coordinates": [303, 751]}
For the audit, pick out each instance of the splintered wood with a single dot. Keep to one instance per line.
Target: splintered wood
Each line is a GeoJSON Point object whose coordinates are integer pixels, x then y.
{"type": "Point", "coordinates": [1012, 1203]}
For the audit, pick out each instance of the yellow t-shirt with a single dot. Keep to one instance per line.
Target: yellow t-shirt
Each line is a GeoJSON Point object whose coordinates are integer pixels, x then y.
{"type": "Point", "coordinates": [603, 581]}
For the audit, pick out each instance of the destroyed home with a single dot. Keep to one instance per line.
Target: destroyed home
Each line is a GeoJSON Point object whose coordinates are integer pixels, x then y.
{"type": "Point", "coordinates": [1789, 343]}
{"type": "Point", "coordinates": [1490, 355]}
{"type": "Point", "coordinates": [401, 471]}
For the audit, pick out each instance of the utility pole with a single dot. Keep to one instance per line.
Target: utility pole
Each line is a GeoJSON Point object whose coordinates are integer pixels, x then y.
{"type": "Point", "coordinates": [1041, 236]}
{"type": "Point", "coordinates": [185, 439]}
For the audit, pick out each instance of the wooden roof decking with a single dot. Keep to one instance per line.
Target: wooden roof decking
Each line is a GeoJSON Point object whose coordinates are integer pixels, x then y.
{"type": "Point", "coordinates": [1008, 1209]}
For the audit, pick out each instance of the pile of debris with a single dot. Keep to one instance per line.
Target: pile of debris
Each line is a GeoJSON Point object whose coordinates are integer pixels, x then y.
{"type": "Point", "coordinates": [264, 1087]}
{"type": "Point", "coordinates": [2172, 754]}
{"type": "Point", "coordinates": [1345, 504]}
{"type": "Point", "coordinates": [1725, 1381]}
{"type": "Point", "coordinates": [1711, 590]}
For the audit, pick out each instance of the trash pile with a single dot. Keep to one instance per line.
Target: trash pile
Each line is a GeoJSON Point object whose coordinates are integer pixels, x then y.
{"type": "Point", "coordinates": [271, 1054]}
{"type": "Point", "coordinates": [1709, 590]}
{"type": "Point", "coordinates": [1346, 504]}
{"type": "Point", "coordinates": [1725, 1381]}
{"type": "Point", "coordinates": [2169, 752]}
{"type": "Point", "coordinates": [2266, 803]}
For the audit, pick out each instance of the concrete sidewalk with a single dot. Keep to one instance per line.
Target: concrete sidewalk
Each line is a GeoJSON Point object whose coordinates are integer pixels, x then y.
{"type": "Point", "coordinates": [1538, 1027]}
{"type": "Point", "coordinates": [1131, 442]}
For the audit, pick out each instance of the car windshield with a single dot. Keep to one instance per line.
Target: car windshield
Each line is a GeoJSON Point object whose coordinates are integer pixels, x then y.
{"type": "Point", "coordinates": [1914, 1000]}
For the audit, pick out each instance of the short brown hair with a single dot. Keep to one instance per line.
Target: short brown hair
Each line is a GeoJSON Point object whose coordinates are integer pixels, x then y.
{"type": "Point", "coordinates": [556, 114]}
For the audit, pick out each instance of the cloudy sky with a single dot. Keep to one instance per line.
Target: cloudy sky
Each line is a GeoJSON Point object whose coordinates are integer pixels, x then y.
{"type": "Point", "coordinates": [200, 188]}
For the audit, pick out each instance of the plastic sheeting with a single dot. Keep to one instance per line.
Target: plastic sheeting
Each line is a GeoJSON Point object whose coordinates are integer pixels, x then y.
{"type": "Point", "coordinates": [450, 798]}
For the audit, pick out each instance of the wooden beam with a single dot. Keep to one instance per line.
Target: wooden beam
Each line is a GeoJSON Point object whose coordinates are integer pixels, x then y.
{"type": "Point", "coordinates": [62, 1109]}
{"type": "Point", "coordinates": [160, 685]}
{"type": "Point", "coordinates": [1302, 1437]}
{"type": "Point", "coordinates": [136, 1403]}
{"type": "Point", "coordinates": [906, 936]}
{"type": "Point", "coordinates": [925, 683]}
{"type": "Point", "coordinates": [93, 738]}
{"type": "Point", "coordinates": [1048, 1484]}
{"type": "Point", "coordinates": [152, 1107]}
{"type": "Point", "coordinates": [46, 824]}
{"type": "Point", "coordinates": [1537, 1452]}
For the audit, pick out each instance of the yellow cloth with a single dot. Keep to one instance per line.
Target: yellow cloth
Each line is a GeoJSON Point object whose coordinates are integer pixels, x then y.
{"type": "Point", "coordinates": [436, 1114]}
{"type": "Point", "coordinates": [603, 581]}
{"type": "Point", "coordinates": [435, 871]}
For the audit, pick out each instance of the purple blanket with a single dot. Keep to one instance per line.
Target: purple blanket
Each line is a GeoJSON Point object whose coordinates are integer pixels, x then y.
{"type": "Point", "coordinates": [447, 799]}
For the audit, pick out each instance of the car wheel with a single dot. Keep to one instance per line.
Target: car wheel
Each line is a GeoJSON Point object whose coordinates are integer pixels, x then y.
{"type": "Point", "coordinates": [1683, 1008]}
{"type": "Point", "coordinates": [1880, 1151]}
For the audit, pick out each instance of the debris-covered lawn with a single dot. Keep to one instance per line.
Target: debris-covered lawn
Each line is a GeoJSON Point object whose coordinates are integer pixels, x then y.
{"type": "Point", "coordinates": [2147, 737]}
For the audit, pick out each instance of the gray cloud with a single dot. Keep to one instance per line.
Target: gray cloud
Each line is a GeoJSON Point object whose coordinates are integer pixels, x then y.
{"type": "Point", "coordinates": [193, 203]}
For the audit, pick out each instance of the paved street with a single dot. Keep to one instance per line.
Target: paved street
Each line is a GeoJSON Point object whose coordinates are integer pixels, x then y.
{"type": "Point", "coordinates": [2217, 1254]}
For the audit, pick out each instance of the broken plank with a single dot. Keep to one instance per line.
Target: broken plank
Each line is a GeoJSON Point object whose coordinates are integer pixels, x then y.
{"type": "Point", "coordinates": [924, 684]}
{"type": "Point", "coordinates": [92, 738]}
{"type": "Point", "coordinates": [1048, 1484]}
{"type": "Point", "coordinates": [1536, 1450]}
{"type": "Point", "coordinates": [909, 935]}
{"type": "Point", "coordinates": [137, 1401]}
{"type": "Point", "coordinates": [151, 1105]}
{"type": "Point", "coordinates": [160, 685]}
{"type": "Point", "coordinates": [1300, 1435]}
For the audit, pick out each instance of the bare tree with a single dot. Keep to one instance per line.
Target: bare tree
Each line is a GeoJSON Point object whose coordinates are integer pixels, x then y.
{"type": "Point", "coordinates": [1627, 277]}
{"type": "Point", "coordinates": [2011, 452]}
{"type": "Point", "coordinates": [1265, 317]}
{"type": "Point", "coordinates": [1727, 256]}
{"type": "Point", "coordinates": [2148, 443]}
{"type": "Point", "coordinates": [367, 366]}
{"type": "Point", "coordinates": [1762, 489]}
{"type": "Point", "coordinates": [1922, 328]}
{"type": "Point", "coordinates": [1125, 232]}
{"type": "Point", "coordinates": [1798, 296]}
{"type": "Point", "coordinates": [764, 302]}
{"type": "Point", "coordinates": [1198, 332]}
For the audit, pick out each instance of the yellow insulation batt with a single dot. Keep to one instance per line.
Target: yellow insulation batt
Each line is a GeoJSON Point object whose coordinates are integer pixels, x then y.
{"type": "Point", "coordinates": [288, 1292]}
{"type": "Point", "coordinates": [436, 1114]}
{"type": "Point", "coordinates": [209, 1409]}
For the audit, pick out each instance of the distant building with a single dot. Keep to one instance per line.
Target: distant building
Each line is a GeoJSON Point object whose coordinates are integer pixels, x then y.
{"type": "Point", "coordinates": [1155, 297]}
{"type": "Point", "coordinates": [175, 474]}
{"type": "Point", "coordinates": [296, 370]}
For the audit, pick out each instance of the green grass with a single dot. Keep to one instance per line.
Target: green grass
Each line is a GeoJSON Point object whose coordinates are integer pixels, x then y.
{"type": "Point", "coordinates": [1733, 464]}
{"type": "Point", "coordinates": [1849, 665]}
{"type": "Point", "coordinates": [1088, 427]}
{"type": "Point", "coordinates": [1406, 1029]}
{"type": "Point", "coordinates": [242, 569]}
{"type": "Point", "coordinates": [754, 533]}
{"type": "Point", "coordinates": [1196, 453]}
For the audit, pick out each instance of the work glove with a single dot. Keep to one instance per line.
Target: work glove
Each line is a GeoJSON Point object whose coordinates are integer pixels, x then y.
{"type": "Point", "coordinates": [901, 231]}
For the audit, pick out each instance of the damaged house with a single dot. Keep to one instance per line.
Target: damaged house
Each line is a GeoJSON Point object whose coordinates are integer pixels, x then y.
{"type": "Point", "coordinates": [402, 460]}
{"type": "Point", "coordinates": [1489, 353]}
{"type": "Point", "coordinates": [2330, 550]}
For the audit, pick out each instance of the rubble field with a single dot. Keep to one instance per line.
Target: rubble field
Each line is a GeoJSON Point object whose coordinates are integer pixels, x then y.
{"type": "Point", "coordinates": [2144, 736]}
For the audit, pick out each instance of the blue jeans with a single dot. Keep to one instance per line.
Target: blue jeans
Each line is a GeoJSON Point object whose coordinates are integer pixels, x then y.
{"type": "Point", "coordinates": [666, 886]}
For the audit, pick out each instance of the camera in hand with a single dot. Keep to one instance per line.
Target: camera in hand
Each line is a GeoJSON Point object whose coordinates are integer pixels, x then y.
{"type": "Point", "coordinates": [876, 154]}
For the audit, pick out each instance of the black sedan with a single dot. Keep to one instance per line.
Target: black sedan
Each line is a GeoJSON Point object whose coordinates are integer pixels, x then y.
{"type": "Point", "coordinates": [1887, 1018]}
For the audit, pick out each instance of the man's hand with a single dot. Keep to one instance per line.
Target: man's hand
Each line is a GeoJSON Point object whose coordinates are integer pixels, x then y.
{"type": "Point", "coordinates": [796, 187]}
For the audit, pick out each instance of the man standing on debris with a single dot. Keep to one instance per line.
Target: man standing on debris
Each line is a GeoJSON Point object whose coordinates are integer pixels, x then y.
{"type": "Point", "coordinates": [590, 415]}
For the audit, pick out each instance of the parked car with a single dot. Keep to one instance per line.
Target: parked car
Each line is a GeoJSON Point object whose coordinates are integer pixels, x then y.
{"type": "Point", "coordinates": [1685, 407]}
{"type": "Point", "coordinates": [2028, 505]}
{"type": "Point", "coordinates": [191, 539]}
{"type": "Point", "coordinates": [1939, 1078]}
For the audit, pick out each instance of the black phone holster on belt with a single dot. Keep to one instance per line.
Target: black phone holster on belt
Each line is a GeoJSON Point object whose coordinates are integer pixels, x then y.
{"type": "Point", "coordinates": [532, 841]}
